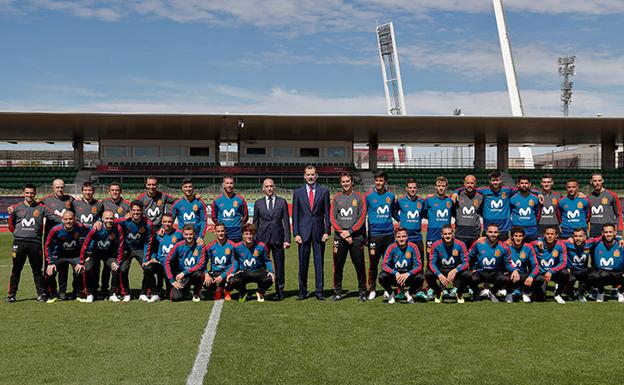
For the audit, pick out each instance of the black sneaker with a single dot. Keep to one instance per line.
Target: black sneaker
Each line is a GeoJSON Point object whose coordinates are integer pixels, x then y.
{"type": "Point", "coordinates": [62, 297]}
{"type": "Point", "coordinates": [41, 298]}
{"type": "Point", "coordinates": [362, 298]}
{"type": "Point", "coordinates": [10, 298]}
{"type": "Point", "coordinates": [336, 298]}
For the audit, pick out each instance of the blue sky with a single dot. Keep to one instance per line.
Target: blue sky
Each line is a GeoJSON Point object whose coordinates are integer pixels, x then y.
{"type": "Point", "coordinates": [254, 56]}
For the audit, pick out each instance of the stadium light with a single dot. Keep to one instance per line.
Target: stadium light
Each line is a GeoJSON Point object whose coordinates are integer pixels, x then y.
{"type": "Point", "coordinates": [566, 69]}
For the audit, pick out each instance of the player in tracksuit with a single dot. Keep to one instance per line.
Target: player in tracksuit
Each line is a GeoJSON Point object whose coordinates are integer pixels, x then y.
{"type": "Point", "coordinates": [488, 260]}
{"type": "Point", "coordinates": [154, 267]}
{"type": "Point", "coordinates": [88, 209]}
{"type": "Point", "coordinates": [553, 258]}
{"type": "Point", "coordinates": [448, 264]}
{"type": "Point", "coordinates": [186, 265]}
{"type": "Point", "coordinates": [573, 210]}
{"type": "Point", "coordinates": [230, 209]}
{"type": "Point", "coordinates": [401, 267]}
{"type": "Point", "coordinates": [579, 252]}
{"type": "Point", "coordinates": [525, 276]}
{"type": "Point", "coordinates": [103, 245]}
{"type": "Point", "coordinates": [62, 249]}
{"type": "Point", "coordinates": [409, 214]}
{"type": "Point", "coordinates": [468, 212]}
{"type": "Point", "coordinates": [525, 209]}
{"type": "Point", "coordinates": [348, 215]}
{"type": "Point", "coordinates": [608, 263]}
{"type": "Point", "coordinates": [190, 209]}
{"type": "Point", "coordinates": [438, 210]}
{"type": "Point", "coordinates": [155, 203]}
{"type": "Point", "coordinates": [605, 207]}
{"type": "Point", "coordinates": [549, 200]}
{"type": "Point", "coordinates": [254, 265]}
{"type": "Point", "coordinates": [223, 264]}
{"type": "Point", "coordinates": [496, 205]}
{"type": "Point", "coordinates": [26, 224]}
{"type": "Point", "coordinates": [138, 235]}
{"type": "Point", "coordinates": [380, 206]}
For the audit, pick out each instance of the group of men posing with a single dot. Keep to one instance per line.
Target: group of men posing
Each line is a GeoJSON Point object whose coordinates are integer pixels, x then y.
{"type": "Point", "coordinates": [560, 238]}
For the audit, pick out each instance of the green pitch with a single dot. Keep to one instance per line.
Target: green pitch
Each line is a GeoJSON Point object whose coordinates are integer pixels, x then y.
{"type": "Point", "coordinates": [307, 342]}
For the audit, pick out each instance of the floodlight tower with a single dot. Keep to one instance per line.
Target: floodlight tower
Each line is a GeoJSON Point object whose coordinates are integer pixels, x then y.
{"type": "Point", "coordinates": [566, 69]}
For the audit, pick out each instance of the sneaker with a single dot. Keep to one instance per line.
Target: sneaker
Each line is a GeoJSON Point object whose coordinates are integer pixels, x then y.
{"type": "Point", "coordinates": [228, 295]}
{"type": "Point", "coordinates": [218, 293]}
{"type": "Point", "coordinates": [484, 293]}
{"type": "Point", "coordinates": [421, 296]}
{"type": "Point", "coordinates": [362, 298]}
{"type": "Point", "coordinates": [516, 293]}
{"type": "Point", "coordinates": [526, 298]}
{"type": "Point", "coordinates": [581, 298]}
{"type": "Point", "coordinates": [452, 293]}
{"type": "Point", "coordinates": [155, 298]}
{"type": "Point", "coordinates": [430, 294]}
{"type": "Point", "coordinates": [400, 295]}
{"type": "Point", "coordinates": [88, 299]}
{"type": "Point", "coordinates": [409, 297]}
{"type": "Point", "coordinates": [52, 300]}
{"type": "Point", "coordinates": [620, 297]}
{"type": "Point", "coordinates": [10, 298]}
{"type": "Point", "coordinates": [559, 299]}
{"type": "Point", "coordinates": [501, 293]}
{"type": "Point", "coordinates": [492, 297]}
{"type": "Point", "coordinates": [242, 298]}
{"type": "Point", "coordinates": [509, 298]}
{"type": "Point", "coordinates": [336, 298]}
{"type": "Point", "coordinates": [600, 297]}
{"type": "Point", "coordinates": [126, 298]}
{"type": "Point", "coordinates": [143, 298]}
{"type": "Point", "coordinates": [196, 298]}
{"type": "Point", "coordinates": [41, 298]}
{"type": "Point", "coordinates": [391, 299]}
{"type": "Point", "coordinates": [62, 297]}
{"type": "Point", "coordinates": [372, 294]}
{"type": "Point", "coordinates": [460, 298]}
{"type": "Point", "coordinates": [113, 298]}
{"type": "Point", "coordinates": [438, 298]}
{"type": "Point", "coordinates": [260, 296]}
{"type": "Point", "coordinates": [386, 295]}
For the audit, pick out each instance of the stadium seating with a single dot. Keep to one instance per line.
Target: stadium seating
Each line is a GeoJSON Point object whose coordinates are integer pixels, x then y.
{"type": "Point", "coordinates": [15, 177]}
{"type": "Point", "coordinates": [427, 176]}
{"type": "Point", "coordinates": [614, 179]}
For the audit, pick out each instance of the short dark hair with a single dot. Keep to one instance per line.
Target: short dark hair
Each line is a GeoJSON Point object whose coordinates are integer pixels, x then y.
{"type": "Point", "coordinates": [523, 177]}
{"type": "Point", "coordinates": [494, 174]}
{"type": "Point", "coordinates": [580, 229]}
{"type": "Point", "coordinates": [114, 183]}
{"type": "Point", "coordinates": [188, 226]}
{"type": "Point", "coordinates": [608, 225]}
{"type": "Point", "coordinates": [30, 185]}
{"type": "Point", "coordinates": [547, 176]}
{"type": "Point", "coordinates": [381, 174]}
{"type": "Point", "coordinates": [187, 181]}
{"type": "Point", "coordinates": [493, 225]}
{"type": "Point", "coordinates": [442, 179]}
{"type": "Point", "coordinates": [597, 173]}
{"type": "Point", "coordinates": [410, 180]}
{"type": "Point", "coordinates": [517, 230]}
{"type": "Point", "coordinates": [167, 215]}
{"type": "Point", "coordinates": [447, 227]}
{"type": "Point", "coordinates": [572, 180]}
{"type": "Point", "coordinates": [399, 229]}
{"type": "Point", "coordinates": [228, 176]}
{"type": "Point", "coordinates": [249, 227]}
{"type": "Point", "coordinates": [550, 227]}
{"type": "Point", "coordinates": [347, 174]}
{"type": "Point", "coordinates": [151, 177]}
{"type": "Point", "coordinates": [87, 184]}
{"type": "Point", "coordinates": [137, 202]}
{"type": "Point", "coordinates": [219, 224]}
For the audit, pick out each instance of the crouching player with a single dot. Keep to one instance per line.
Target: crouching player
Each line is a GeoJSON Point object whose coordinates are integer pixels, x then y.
{"type": "Point", "coordinates": [154, 267]}
{"type": "Point", "coordinates": [222, 257]}
{"type": "Point", "coordinates": [525, 276]}
{"type": "Point", "coordinates": [448, 265]}
{"type": "Point", "coordinates": [105, 245]}
{"type": "Point", "coordinates": [579, 252]}
{"type": "Point", "coordinates": [608, 263]}
{"type": "Point", "coordinates": [254, 265]}
{"type": "Point", "coordinates": [552, 258]}
{"type": "Point", "coordinates": [401, 267]}
{"type": "Point", "coordinates": [185, 266]}
{"type": "Point", "coordinates": [488, 257]}
{"type": "Point", "coordinates": [62, 250]}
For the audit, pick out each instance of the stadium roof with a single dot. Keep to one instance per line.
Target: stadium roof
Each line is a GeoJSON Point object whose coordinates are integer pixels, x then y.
{"type": "Point", "coordinates": [64, 126]}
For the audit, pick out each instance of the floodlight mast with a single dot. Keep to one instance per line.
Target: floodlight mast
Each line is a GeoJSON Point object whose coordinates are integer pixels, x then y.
{"type": "Point", "coordinates": [566, 69]}
{"type": "Point", "coordinates": [390, 70]}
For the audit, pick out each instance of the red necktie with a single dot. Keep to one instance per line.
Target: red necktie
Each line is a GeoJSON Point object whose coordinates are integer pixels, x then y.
{"type": "Point", "coordinates": [311, 198]}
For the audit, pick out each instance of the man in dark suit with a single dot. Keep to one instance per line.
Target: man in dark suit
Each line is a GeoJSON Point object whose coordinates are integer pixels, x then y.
{"type": "Point", "coordinates": [312, 226]}
{"type": "Point", "coordinates": [273, 223]}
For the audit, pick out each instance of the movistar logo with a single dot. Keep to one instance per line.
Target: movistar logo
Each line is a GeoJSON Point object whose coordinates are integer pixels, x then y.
{"type": "Point", "coordinates": [489, 261]}
{"type": "Point", "coordinates": [229, 213]}
{"type": "Point", "coordinates": [597, 210]}
{"type": "Point", "coordinates": [400, 264]}
{"type": "Point", "coordinates": [604, 262]}
{"type": "Point", "coordinates": [381, 210]}
{"type": "Point", "coordinates": [346, 212]}
{"type": "Point", "coordinates": [442, 213]}
{"type": "Point", "coordinates": [548, 210]}
{"type": "Point", "coordinates": [448, 261]}
{"type": "Point", "coordinates": [524, 212]}
{"type": "Point", "coordinates": [153, 213]}
{"type": "Point", "coordinates": [496, 204]}
{"type": "Point", "coordinates": [468, 210]}
{"type": "Point", "coordinates": [188, 216]}
{"type": "Point", "coordinates": [166, 249]}
{"type": "Point", "coordinates": [413, 214]}
{"type": "Point", "coordinates": [86, 218]}
{"type": "Point", "coordinates": [134, 237]}
{"type": "Point", "coordinates": [249, 262]}
{"type": "Point", "coordinates": [573, 214]}
{"type": "Point", "coordinates": [220, 260]}
{"type": "Point", "coordinates": [103, 244]}
{"type": "Point", "coordinates": [190, 261]}
{"type": "Point", "coordinates": [547, 262]}
{"type": "Point", "coordinates": [59, 213]}
{"type": "Point", "coordinates": [516, 264]}
{"type": "Point", "coordinates": [69, 245]}
{"type": "Point", "coordinates": [28, 222]}
{"type": "Point", "coordinates": [579, 258]}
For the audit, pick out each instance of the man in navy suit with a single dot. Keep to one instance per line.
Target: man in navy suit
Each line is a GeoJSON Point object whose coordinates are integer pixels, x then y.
{"type": "Point", "coordinates": [273, 223]}
{"type": "Point", "coordinates": [312, 226]}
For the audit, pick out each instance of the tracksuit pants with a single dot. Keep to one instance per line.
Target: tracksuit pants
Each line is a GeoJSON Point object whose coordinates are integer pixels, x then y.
{"type": "Point", "coordinates": [32, 251]}
{"type": "Point", "coordinates": [413, 282]}
{"type": "Point", "coordinates": [92, 267]}
{"type": "Point", "coordinates": [377, 245]}
{"type": "Point", "coordinates": [496, 278]}
{"type": "Point", "coordinates": [195, 279]}
{"type": "Point", "coordinates": [460, 282]}
{"type": "Point", "coordinates": [356, 250]}
{"type": "Point", "coordinates": [560, 277]}
{"type": "Point", "coordinates": [240, 280]}
{"type": "Point", "coordinates": [583, 278]}
{"type": "Point", "coordinates": [601, 278]}
{"type": "Point", "coordinates": [538, 281]}
{"type": "Point", "coordinates": [62, 270]}
{"type": "Point", "coordinates": [153, 278]}
{"type": "Point", "coordinates": [124, 270]}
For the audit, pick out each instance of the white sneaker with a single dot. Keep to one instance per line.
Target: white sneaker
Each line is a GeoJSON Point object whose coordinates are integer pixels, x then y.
{"type": "Point", "coordinates": [126, 298]}
{"type": "Point", "coordinates": [143, 298]}
{"type": "Point", "coordinates": [391, 299]}
{"type": "Point", "coordinates": [526, 298]}
{"type": "Point", "coordinates": [460, 299]}
{"type": "Point", "coordinates": [600, 297]}
{"type": "Point", "coordinates": [502, 293]}
{"type": "Point", "coordinates": [484, 293]}
{"type": "Point", "coordinates": [409, 297]}
{"type": "Point", "coordinates": [386, 295]}
{"type": "Point", "coordinates": [620, 297]}
{"type": "Point", "coordinates": [113, 298]}
{"type": "Point", "coordinates": [492, 297]}
{"type": "Point", "coordinates": [89, 298]}
{"type": "Point", "coordinates": [372, 295]}
{"type": "Point", "coordinates": [197, 299]}
{"type": "Point", "coordinates": [155, 298]}
{"type": "Point", "coordinates": [559, 299]}
{"type": "Point", "coordinates": [437, 298]}
{"type": "Point", "coordinates": [509, 298]}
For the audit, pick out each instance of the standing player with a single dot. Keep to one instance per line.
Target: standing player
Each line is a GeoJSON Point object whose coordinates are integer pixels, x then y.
{"type": "Point", "coordinates": [154, 268]}
{"type": "Point", "coordinates": [155, 203]}
{"type": "Point", "coordinates": [380, 206]}
{"type": "Point", "coordinates": [609, 263]}
{"type": "Point", "coordinates": [525, 209]}
{"type": "Point", "coordinates": [549, 201]}
{"type": "Point", "coordinates": [468, 210]}
{"type": "Point", "coordinates": [410, 210]}
{"type": "Point", "coordinates": [579, 253]}
{"type": "Point", "coordinates": [448, 264]}
{"type": "Point", "coordinates": [439, 210]}
{"type": "Point", "coordinates": [525, 276]}
{"type": "Point", "coordinates": [401, 267]}
{"type": "Point", "coordinates": [185, 266]}
{"type": "Point", "coordinates": [138, 235]}
{"type": "Point", "coordinates": [552, 258]}
{"type": "Point", "coordinates": [190, 209]}
{"type": "Point", "coordinates": [496, 205]}
{"type": "Point", "coordinates": [254, 265]}
{"type": "Point", "coordinates": [102, 245]}
{"type": "Point", "coordinates": [230, 209]}
{"type": "Point", "coordinates": [573, 210]}
{"type": "Point", "coordinates": [223, 263]}
{"type": "Point", "coordinates": [312, 226]}
{"type": "Point", "coordinates": [88, 209]}
{"type": "Point", "coordinates": [26, 224]}
{"type": "Point", "coordinates": [605, 207]}
{"type": "Point", "coordinates": [348, 215]}
{"type": "Point", "coordinates": [62, 249]}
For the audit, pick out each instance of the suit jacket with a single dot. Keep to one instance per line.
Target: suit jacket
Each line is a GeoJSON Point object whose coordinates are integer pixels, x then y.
{"type": "Point", "coordinates": [311, 223]}
{"type": "Point", "coordinates": [273, 228]}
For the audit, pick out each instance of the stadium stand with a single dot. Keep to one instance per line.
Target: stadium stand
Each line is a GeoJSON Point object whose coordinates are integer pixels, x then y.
{"type": "Point", "coordinates": [12, 178]}
{"type": "Point", "coordinates": [614, 179]}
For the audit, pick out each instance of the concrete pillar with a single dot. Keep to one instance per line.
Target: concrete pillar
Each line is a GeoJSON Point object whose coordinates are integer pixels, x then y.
{"type": "Point", "coordinates": [479, 150]}
{"type": "Point", "coordinates": [607, 151]}
{"type": "Point", "coordinates": [372, 154]}
{"type": "Point", "coordinates": [502, 151]}
{"type": "Point", "coordinates": [217, 153]}
{"type": "Point", "coordinates": [78, 145]}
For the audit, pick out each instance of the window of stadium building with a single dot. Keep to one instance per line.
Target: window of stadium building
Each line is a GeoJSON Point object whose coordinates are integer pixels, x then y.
{"type": "Point", "coordinates": [117, 152]}
{"type": "Point", "coordinates": [199, 151]}
{"type": "Point", "coordinates": [309, 152]}
{"type": "Point", "coordinates": [145, 151]}
{"type": "Point", "coordinates": [171, 151]}
{"type": "Point", "coordinates": [256, 151]}
{"type": "Point", "coordinates": [337, 152]}
{"type": "Point", "coordinates": [283, 152]}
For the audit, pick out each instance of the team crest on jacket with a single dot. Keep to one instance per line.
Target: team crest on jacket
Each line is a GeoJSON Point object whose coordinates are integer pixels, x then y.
{"type": "Point", "coordinates": [388, 200]}
{"type": "Point", "coordinates": [455, 253]}
{"type": "Point", "coordinates": [522, 255]}
{"type": "Point", "coordinates": [408, 255]}
{"type": "Point", "coordinates": [586, 251]}
{"type": "Point", "coordinates": [605, 201]}
{"type": "Point", "coordinates": [448, 205]}
{"type": "Point", "coordinates": [76, 235]}
{"type": "Point", "coordinates": [93, 210]}
{"type": "Point", "coordinates": [68, 204]}
{"type": "Point", "coordinates": [616, 253]}
{"type": "Point", "coordinates": [354, 203]}
{"type": "Point", "coordinates": [142, 230]}
{"type": "Point", "coordinates": [111, 236]}
{"type": "Point", "coordinates": [235, 204]}
{"type": "Point", "coordinates": [418, 205]}
{"type": "Point", "coordinates": [119, 210]}
{"type": "Point", "coordinates": [475, 203]}
{"type": "Point", "coordinates": [256, 253]}
{"type": "Point", "coordinates": [579, 205]}
{"type": "Point", "coordinates": [228, 251]}
{"type": "Point", "coordinates": [497, 253]}
{"type": "Point", "coordinates": [195, 208]}
{"type": "Point", "coordinates": [555, 253]}
{"type": "Point", "coordinates": [174, 239]}
{"type": "Point", "coordinates": [195, 253]}
{"type": "Point", "coordinates": [504, 195]}
{"type": "Point", "coordinates": [159, 203]}
{"type": "Point", "coordinates": [36, 213]}
{"type": "Point", "coordinates": [531, 203]}
{"type": "Point", "coordinates": [555, 201]}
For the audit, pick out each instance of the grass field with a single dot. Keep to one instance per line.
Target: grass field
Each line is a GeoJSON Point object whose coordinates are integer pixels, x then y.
{"type": "Point", "coordinates": [309, 342]}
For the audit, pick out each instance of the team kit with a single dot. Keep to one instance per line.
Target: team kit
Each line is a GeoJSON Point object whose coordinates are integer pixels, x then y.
{"type": "Point", "coordinates": [494, 242]}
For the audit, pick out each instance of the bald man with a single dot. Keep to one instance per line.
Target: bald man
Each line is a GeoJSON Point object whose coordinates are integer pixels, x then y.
{"type": "Point", "coordinates": [468, 212]}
